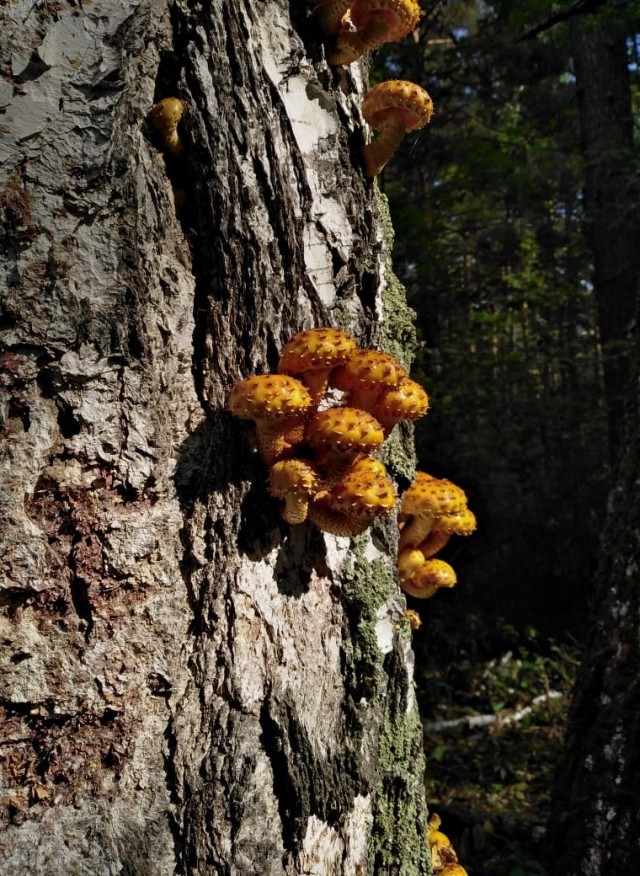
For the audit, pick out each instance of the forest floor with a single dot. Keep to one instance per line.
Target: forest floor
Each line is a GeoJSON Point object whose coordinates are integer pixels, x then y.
{"type": "Point", "coordinates": [494, 731]}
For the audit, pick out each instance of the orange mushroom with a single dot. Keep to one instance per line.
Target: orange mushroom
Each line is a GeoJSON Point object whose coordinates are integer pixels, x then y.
{"type": "Point", "coordinates": [407, 400]}
{"type": "Point", "coordinates": [375, 22]}
{"type": "Point", "coordinates": [339, 434]}
{"type": "Point", "coordinates": [278, 403]}
{"type": "Point", "coordinates": [352, 504]}
{"type": "Point", "coordinates": [366, 375]}
{"type": "Point", "coordinates": [423, 580]}
{"type": "Point", "coordinates": [311, 354]}
{"type": "Point", "coordinates": [294, 481]}
{"type": "Point", "coordinates": [424, 502]}
{"type": "Point", "coordinates": [165, 117]}
{"type": "Point", "coordinates": [393, 108]}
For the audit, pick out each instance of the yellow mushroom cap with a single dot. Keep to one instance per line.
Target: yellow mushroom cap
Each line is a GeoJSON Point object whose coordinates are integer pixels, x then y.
{"type": "Point", "coordinates": [400, 16]}
{"type": "Point", "coordinates": [268, 396]}
{"type": "Point", "coordinates": [453, 869]}
{"type": "Point", "coordinates": [364, 490]}
{"type": "Point", "coordinates": [344, 429]}
{"type": "Point", "coordinates": [428, 579]}
{"type": "Point", "coordinates": [352, 504]}
{"type": "Point", "coordinates": [368, 369]}
{"type": "Point", "coordinates": [462, 522]}
{"type": "Point", "coordinates": [315, 349]}
{"type": "Point", "coordinates": [165, 117]}
{"type": "Point", "coordinates": [433, 497]}
{"type": "Point", "coordinates": [293, 476]}
{"type": "Point", "coordinates": [295, 481]}
{"type": "Point", "coordinates": [407, 400]}
{"type": "Point", "coordinates": [397, 100]}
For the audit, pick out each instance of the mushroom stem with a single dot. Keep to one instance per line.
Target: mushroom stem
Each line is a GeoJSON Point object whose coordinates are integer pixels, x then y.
{"type": "Point", "coordinates": [379, 151]}
{"type": "Point", "coordinates": [351, 45]}
{"type": "Point", "coordinates": [416, 529]}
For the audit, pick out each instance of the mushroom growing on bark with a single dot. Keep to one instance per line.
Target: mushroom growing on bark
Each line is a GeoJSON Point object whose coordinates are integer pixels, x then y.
{"type": "Point", "coordinates": [278, 403]}
{"type": "Point", "coordinates": [393, 108]}
{"type": "Point", "coordinates": [311, 354]}
{"type": "Point", "coordinates": [424, 503]}
{"type": "Point", "coordinates": [407, 400]}
{"type": "Point", "coordinates": [370, 23]}
{"type": "Point", "coordinates": [352, 504]}
{"type": "Point", "coordinates": [366, 375]}
{"type": "Point", "coordinates": [339, 434]}
{"type": "Point", "coordinates": [423, 580]}
{"type": "Point", "coordinates": [165, 117]}
{"type": "Point", "coordinates": [294, 481]}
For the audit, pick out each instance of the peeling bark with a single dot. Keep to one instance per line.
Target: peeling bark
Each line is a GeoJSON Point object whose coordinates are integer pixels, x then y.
{"type": "Point", "coordinates": [189, 685]}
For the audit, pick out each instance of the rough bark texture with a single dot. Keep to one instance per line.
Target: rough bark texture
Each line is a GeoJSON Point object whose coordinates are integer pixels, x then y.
{"type": "Point", "coordinates": [188, 685]}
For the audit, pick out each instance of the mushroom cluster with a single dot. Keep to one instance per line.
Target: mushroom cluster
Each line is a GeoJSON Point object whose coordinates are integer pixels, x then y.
{"type": "Point", "coordinates": [444, 859]}
{"type": "Point", "coordinates": [432, 510]}
{"type": "Point", "coordinates": [322, 454]}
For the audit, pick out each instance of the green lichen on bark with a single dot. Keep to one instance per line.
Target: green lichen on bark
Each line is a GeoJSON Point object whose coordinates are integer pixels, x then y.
{"type": "Point", "coordinates": [398, 330]}
{"type": "Point", "coordinates": [368, 585]}
{"type": "Point", "coordinates": [399, 838]}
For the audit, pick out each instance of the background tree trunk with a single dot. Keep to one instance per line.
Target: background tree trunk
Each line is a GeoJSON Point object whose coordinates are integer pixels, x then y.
{"type": "Point", "coordinates": [595, 820]}
{"type": "Point", "coordinates": [188, 684]}
{"type": "Point", "coordinates": [599, 50]}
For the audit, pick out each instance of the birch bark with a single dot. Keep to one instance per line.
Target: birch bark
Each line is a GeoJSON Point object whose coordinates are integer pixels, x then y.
{"type": "Point", "coordinates": [189, 685]}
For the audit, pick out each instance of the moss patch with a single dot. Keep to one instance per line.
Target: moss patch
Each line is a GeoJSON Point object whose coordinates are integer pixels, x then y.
{"type": "Point", "coordinates": [398, 331]}
{"type": "Point", "coordinates": [399, 837]}
{"type": "Point", "coordinates": [368, 585]}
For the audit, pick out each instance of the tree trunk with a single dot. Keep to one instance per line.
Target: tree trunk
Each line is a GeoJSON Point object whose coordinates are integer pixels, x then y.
{"type": "Point", "coordinates": [189, 685]}
{"type": "Point", "coordinates": [612, 191]}
{"type": "Point", "coordinates": [595, 821]}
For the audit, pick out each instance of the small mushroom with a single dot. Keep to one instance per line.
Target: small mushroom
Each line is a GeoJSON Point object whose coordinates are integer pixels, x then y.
{"type": "Point", "coordinates": [370, 23]}
{"type": "Point", "coordinates": [407, 400]}
{"type": "Point", "coordinates": [352, 504]}
{"type": "Point", "coordinates": [165, 117]}
{"type": "Point", "coordinates": [425, 502]}
{"type": "Point", "coordinates": [426, 579]}
{"type": "Point", "coordinates": [337, 435]}
{"type": "Point", "coordinates": [311, 354]}
{"type": "Point", "coordinates": [294, 481]}
{"type": "Point", "coordinates": [278, 403]}
{"type": "Point", "coordinates": [366, 375]}
{"type": "Point", "coordinates": [393, 108]}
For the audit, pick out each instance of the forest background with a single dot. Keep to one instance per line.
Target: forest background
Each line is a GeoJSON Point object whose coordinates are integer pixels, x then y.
{"type": "Point", "coordinates": [516, 240]}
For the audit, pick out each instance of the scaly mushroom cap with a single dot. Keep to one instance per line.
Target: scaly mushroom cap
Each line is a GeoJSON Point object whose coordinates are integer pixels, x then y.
{"type": "Point", "coordinates": [351, 505]}
{"type": "Point", "coordinates": [165, 116]}
{"type": "Point", "coordinates": [462, 522]}
{"type": "Point", "coordinates": [393, 108]}
{"type": "Point", "coordinates": [366, 375]}
{"type": "Point", "coordinates": [375, 22]}
{"type": "Point", "coordinates": [312, 353]}
{"type": "Point", "coordinates": [279, 404]}
{"type": "Point", "coordinates": [454, 869]}
{"type": "Point", "coordinates": [268, 396]}
{"type": "Point", "coordinates": [295, 481]}
{"type": "Point", "coordinates": [407, 400]}
{"type": "Point", "coordinates": [426, 500]}
{"type": "Point", "coordinates": [344, 430]}
{"type": "Point", "coordinates": [427, 579]}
